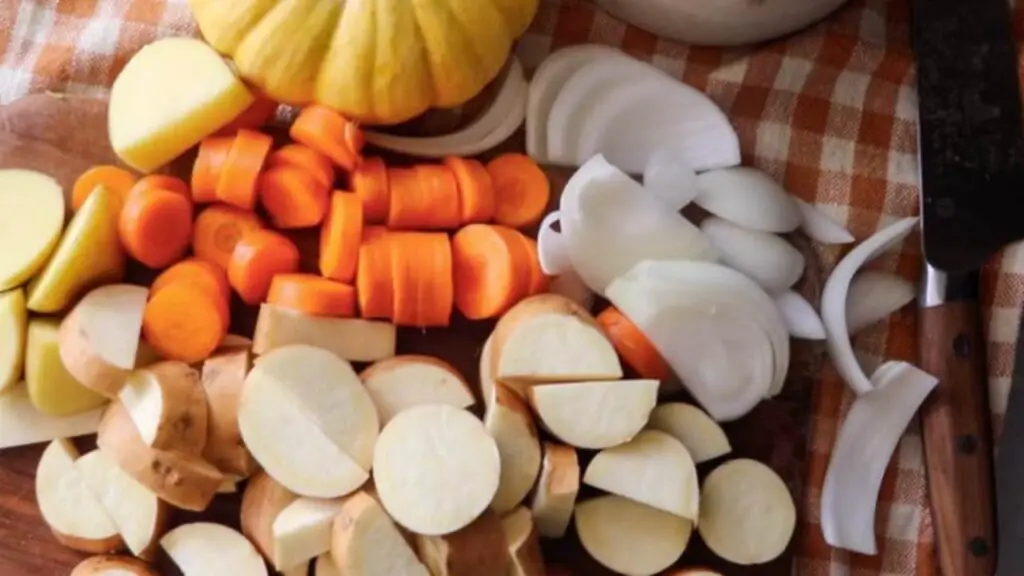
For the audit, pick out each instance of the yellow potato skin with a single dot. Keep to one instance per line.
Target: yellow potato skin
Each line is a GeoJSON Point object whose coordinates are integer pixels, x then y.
{"type": "Point", "coordinates": [51, 389]}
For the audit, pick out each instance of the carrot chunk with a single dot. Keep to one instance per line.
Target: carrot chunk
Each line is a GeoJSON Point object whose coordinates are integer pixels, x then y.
{"type": "Point", "coordinates": [293, 198]}
{"type": "Point", "coordinates": [329, 133]}
{"type": "Point", "coordinates": [218, 229]}
{"type": "Point", "coordinates": [424, 197]}
{"type": "Point", "coordinates": [255, 116]}
{"type": "Point", "coordinates": [155, 226]}
{"type": "Point", "coordinates": [476, 192]}
{"type": "Point", "coordinates": [202, 274]}
{"type": "Point", "coordinates": [370, 183]}
{"type": "Point", "coordinates": [374, 278]}
{"type": "Point", "coordinates": [239, 177]}
{"type": "Point", "coordinates": [162, 182]}
{"type": "Point", "coordinates": [312, 294]}
{"type": "Point", "coordinates": [421, 264]}
{"type": "Point", "coordinates": [258, 257]}
{"type": "Point", "coordinates": [304, 157]}
{"type": "Point", "coordinates": [341, 236]}
{"type": "Point", "coordinates": [633, 346]}
{"type": "Point", "coordinates": [118, 180]}
{"type": "Point", "coordinates": [521, 190]}
{"type": "Point", "coordinates": [490, 270]}
{"type": "Point", "coordinates": [184, 322]}
{"type": "Point", "coordinates": [213, 153]}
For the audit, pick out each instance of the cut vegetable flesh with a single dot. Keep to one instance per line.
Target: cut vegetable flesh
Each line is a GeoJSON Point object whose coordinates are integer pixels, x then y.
{"type": "Point", "coordinates": [206, 549]}
{"type": "Point", "coordinates": [402, 382]}
{"type": "Point", "coordinates": [874, 296]}
{"type": "Point", "coordinates": [31, 220]}
{"type": "Point", "coordinates": [168, 406]}
{"type": "Point", "coordinates": [365, 542]}
{"type": "Point", "coordinates": [557, 488]}
{"type": "Point", "coordinates": [13, 326]}
{"type": "Point", "coordinates": [703, 438]}
{"type": "Point", "coordinates": [112, 566]}
{"type": "Point", "coordinates": [478, 548]}
{"type": "Point", "coordinates": [629, 537]}
{"type": "Point", "coordinates": [67, 505]}
{"type": "Point", "coordinates": [302, 531]}
{"type": "Point", "coordinates": [510, 423]}
{"type": "Point", "coordinates": [52, 390]}
{"type": "Point", "coordinates": [21, 424]}
{"type": "Point", "coordinates": [802, 320]}
{"type": "Point", "coordinates": [766, 258]}
{"type": "Point", "coordinates": [523, 545]}
{"type": "Point", "coordinates": [595, 415]}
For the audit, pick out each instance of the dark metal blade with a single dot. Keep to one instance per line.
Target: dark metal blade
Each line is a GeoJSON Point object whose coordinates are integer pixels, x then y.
{"type": "Point", "coordinates": [1010, 474]}
{"type": "Point", "coordinates": [971, 133]}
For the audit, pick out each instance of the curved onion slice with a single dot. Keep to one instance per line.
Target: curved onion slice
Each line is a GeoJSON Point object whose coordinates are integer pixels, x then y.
{"type": "Point", "coordinates": [668, 176]}
{"type": "Point", "coordinates": [834, 296]}
{"type": "Point", "coordinates": [610, 224]}
{"type": "Point", "coordinates": [766, 258]}
{"type": "Point", "coordinates": [801, 318]}
{"type": "Point", "coordinates": [820, 227]}
{"type": "Point", "coordinates": [874, 296]}
{"type": "Point", "coordinates": [547, 82]}
{"type": "Point", "coordinates": [551, 249]}
{"type": "Point", "coordinates": [492, 127]}
{"type": "Point", "coordinates": [866, 442]}
{"type": "Point", "coordinates": [748, 197]}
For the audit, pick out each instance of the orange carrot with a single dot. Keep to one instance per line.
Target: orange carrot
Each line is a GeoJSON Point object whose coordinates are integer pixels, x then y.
{"type": "Point", "coordinates": [184, 322]}
{"type": "Point", "coordinates": [202, 274]}
{"type": "Point", "coordinates": [633, 346]}
{"type": "Point", "coordinates": [306, 158]}
{"type": "Point", "coordinates": [213, 152]}
{"type": "Point", "coordinates": [488, 265]}
{"type": "Point", "coordinates": [312, 294]}
{"type": "Point", "coordinates": [374, 282]}
{"type": "Point", "coordinates": [118, 180]}
{"type": "Point", "coordinates": [424, 197]}
{"type": "Point", "coordinates": [538, 281]}
{"type": "Point", "coordinates": [162, 182]}
{"type": "Point", "coordinates": [242, 167]}
{"type": "Point", "coordinates": [421, 264]}
{"type": "Point", "coordinates": [370, 183]}
{"type": "Point", "coordinates": [329, 133]}
{"type": "Point", "coordinates": [255, 116]}
{"type": "Point", "coordinates": [218, 229]}
{"type": "Point", "coordinates": [258, 257]}
{"type": "Point", "coordinates": [341, 236]}
{"type": "Point", "coordinates": [155, 226]}
{"type": "Point", "coordinates": [292, 197]}
{"type": "Point", "coordinates": [476, 193]}
{"type": "Point", "coordinates": [521, 190]}
{"type": "Point", "coordinates": [373, 232]}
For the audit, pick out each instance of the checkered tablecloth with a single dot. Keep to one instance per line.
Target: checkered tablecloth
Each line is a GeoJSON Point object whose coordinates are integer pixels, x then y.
{"type": "Point", "coordinates": [830, 112]}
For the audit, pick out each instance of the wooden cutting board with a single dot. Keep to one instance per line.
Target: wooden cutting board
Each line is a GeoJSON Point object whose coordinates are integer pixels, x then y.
{"type": "Point", "coordinates": [63, 136]}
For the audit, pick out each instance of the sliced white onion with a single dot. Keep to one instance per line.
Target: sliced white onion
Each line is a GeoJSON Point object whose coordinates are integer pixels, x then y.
{"type": "Point", "coordinates": [819, 227]}
{"type": "Point", "coordinates": [801, 318]}
{"type": "Point", "coordinates": [748, 197]}
{"type": "Point", "coordinates": [501, 119]}
{"type": "Point", "coordinates": [570, 285]}
{"type": "Point", "coordinates": [768, 259]}
{"type": "Point", "coordinates": [866, 442]}
{"type": "Point", "coordinates": [669, 177]}
{"type": "Point", "coordinates": [610, 224]}
{"type": "Point", "coordinates": [874, 296]}
{"type": "Point", "coordinates": [551, 248]}
{"type": "Point", "coordinates": [834, 296]}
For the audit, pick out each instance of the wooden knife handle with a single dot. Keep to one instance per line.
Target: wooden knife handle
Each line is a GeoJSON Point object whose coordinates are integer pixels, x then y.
{"type": "Point", "coordinates": [957, 438]}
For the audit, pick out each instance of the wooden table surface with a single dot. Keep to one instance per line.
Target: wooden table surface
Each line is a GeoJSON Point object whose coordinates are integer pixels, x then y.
{"type": "Point", "coordinates": [63, 136]}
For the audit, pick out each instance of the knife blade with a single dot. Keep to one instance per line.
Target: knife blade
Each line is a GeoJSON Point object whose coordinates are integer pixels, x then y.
{"type": "Point", "coordinates": [971, 147]}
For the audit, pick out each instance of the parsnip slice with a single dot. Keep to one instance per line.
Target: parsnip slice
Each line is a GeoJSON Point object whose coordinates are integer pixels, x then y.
{"type": "Point", "coordinates": [113, 566]}
{"type": "Point", "coordinates": [51, 388]}
{"type": "Point", "coordinates": [262, 500]}
{"type": "Point", "coordinates": [402, 382]}
{"type": "Point", "coordinates": [168, 407]}
{"type": "Point", "coordinates": [629, 537]}
{"type": "Point", "coordinates": [350, 339]}
{"type": "Point", "coordinates": [223, 378]}
{"type": "Point", "coordinates": [523, 544]}
{"type": "Point", "coordinates": [13, 329]}
{"type": "Point", "coordinates": [30, 224]}
{"type": "Point", "coordinates": [75, 517]}
{"type": "Point", "coordinates": [477, 549]}
{"type": "Point", "coordinates": [595, 415]}
{"type": "Point", "coordinates": [365, 542]}
{"type": "Point", "coordinates": [654, 469]}
{"type": "Point", "coordinates": [207, 549]}
{"type": "Point", "coordinates": [139, 515]}
{"type": "Point", "coordinates": [702, 436]}
{"type": "Point", "coordinates": [549, 338]}
{"type": "Point", "coordinates": [21, 424]}
{"type": "Point", "coordinates": [747, 515]}
{"type": "Point", "coordinates": [435, 469]}
{"type": "Point", "coordinates": [556, 492]}
{"type": "Point", "coordinates": [100, 337]}
{"type": "Point", "coordinates": [510, 423]}
{"type": "Point", "coordinates": [302, 531]}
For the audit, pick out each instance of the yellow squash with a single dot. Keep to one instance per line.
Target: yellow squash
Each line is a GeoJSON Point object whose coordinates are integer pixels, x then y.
{"type": "Point", "coordinates": [378, 61]}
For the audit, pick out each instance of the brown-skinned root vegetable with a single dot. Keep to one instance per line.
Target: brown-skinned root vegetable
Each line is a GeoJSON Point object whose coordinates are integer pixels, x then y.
{"type": "Point", "coordinates": [365, 542]}
{"type": "Point", "coordinates": [179, 479]}
{"type": "Point", "coordinates": [351, 339]}
{"type": "Point", "coordinates": [523, 543]}
{"type": "Point", "coordinates": [549, 338]}
{"type": "Point", "coordinates": [703, 438]}
{"type": "Point", "coordinates": [223, 377]}
{"type": "Point", "coordinates": [140, 517]}
{"type": "Point", "coordinates": [435, 469]}
{"type": "Point", "coordinates": [747, 515]}
{"type": "Point", "coordinates": [476, 549]}
{"type": "Point", "coordinates": [168, 407]}
{"type": "Point", "coordinates": [557, 488]}
{"type": "Point", "coordinates": [595, 415]}
{"type": "Point", "coordinates": [99, 339]}
{"type": "Point", "coordinates": [302, 531]}
{"type": "Point", "coordinates": [262, 500]}
{"type": "Point", "coordinates": [411, 380]}
{"type": "Point", "coordinates": [206, 549]}
{"type": "Point", "coordinates": [629, 537]}
{"type": "Point", "coordinates": [508, 420]}
{"type": "Point", "coordinates": [113, 566]}
{"type": "Point", "coordinates": [76, 518]}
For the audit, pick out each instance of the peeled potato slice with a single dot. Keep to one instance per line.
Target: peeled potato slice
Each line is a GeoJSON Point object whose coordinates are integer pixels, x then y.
{"type": "Point", "coordinates": [113, 566]}
{"type": "Point", "coordinates": [435, 469]}
{"type": "Point", "coordinates": [556, 492]}
{"type": "Point", "coordinates": [30, 223]}
{"type": "Point", "coordinates": [262, 501]}
{"type": "Point", "coordinates": [207, 549]}
{"type": "Point", "coordinates": [402, 382]}
{"type": "Point", "coordinates": [302, 531]}
{"type": "Point", "coordinates": [629, 537]}
{"type": "Point", "coordinates": [365, 542]}
{"type": "Point", "coordinates": [167, 406]}
{"type": "Point", "coordinates": [476, 549]}
{"type": "Point", "coordinates": [523, 544]}
{"type": "Point", "coordinates": [13, 326]}
{"type": "Point", "coordinates": [747, 515]}
{"type": "Point", "coordinates": [51, 388]}
{"type": "Point", "coordinates": [223, 377]}
{"type": "Point", "coordinates": [510, 423]}
{"type": "Point", "coordinates": [595, 415]}
{"type": "Point", "coordinates": [703, 437]}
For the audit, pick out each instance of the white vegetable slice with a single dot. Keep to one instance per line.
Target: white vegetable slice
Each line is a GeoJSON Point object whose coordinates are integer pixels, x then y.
{"type": "Point", "coordinates": [21, 424]}
{"type": "Point", "coordinates": [262, 501]}
{"type": "Point", "coordinates": [492, 127]}
{"type": "Point", "coordinates": [557, 488]}
{"type": "Point", "coordinates": [523, 543]}
{"type": "Point", "coordinates": [653, 468]}
{"type": "Point", "coordinates": [13, 331]}
{"type": "Point", "coordinates": [435, 469]}
{"type": "Point", "coordinates": [836, 291]}
{"type": "Point", "coordinates": [802, 320]}
{"type": "Point", "coordinates": [112, 566]}
{"type": "Point", "coordinates": [325, 566]}
{"type": "Point", "coordinates": [874, 296]}
{"type": "Point", "coordinates": [487, 383]}
{"type": "Point", "coordinates": [866, 442]}
{"type": "Point", "coordinates": [703, 438]}
{"type": "Point", "coordinates": [670, 177]}
{"type": "Point", "coordinates": [747, 515]}
{"type": "Point", "coordinates": [302, 531]}
{"type": "Point", "coordinates": [766, 258]}
{"type": "Point", "coordinates": [510, 423]}
{"type": "Point", "coordinates": [207, 549]}
{"type": "Point", "coordinates": [820, 227]}
{"type": "Point", "coordinates": [552, 251]}
{"type": "Point", "coordinates": [365, 542]}
{"type": "Point", "coordinates": [223, 379]}
{"type": "Point", "coordinates": [595, 415]}
{"type": "Point", "coordinates": [402, 382]}
{"type": "Point", "coordinates": [477, 549]}
{"type": "Point", "coordinates": [352, 339]}
{"type": "Point", "coordinates": [748, 197]}
{"type": "Point", "coordinates": [168, 406]}
{"type": "Point", "coordinates": [629, 537]}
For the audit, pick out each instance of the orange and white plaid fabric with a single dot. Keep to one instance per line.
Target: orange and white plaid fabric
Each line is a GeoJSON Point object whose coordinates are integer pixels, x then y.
{"type": "Point", "coordinates": [830, 112]}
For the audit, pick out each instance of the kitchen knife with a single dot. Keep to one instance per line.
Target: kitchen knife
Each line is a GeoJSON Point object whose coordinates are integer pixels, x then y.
{"type": "Point", "coordinates": [971, 146]}
{"type": "Point", "coordinates": [1010, 472]}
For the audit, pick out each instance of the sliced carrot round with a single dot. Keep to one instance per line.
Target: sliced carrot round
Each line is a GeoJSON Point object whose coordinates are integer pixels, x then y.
{"type": "Point", "coordinates": [118, 180]}
{"type": "Point", "coordinates": [312, 294]}
{"type": "Point", "coordinates": [213, 153]}
{"type": "Point", "coordinates": [293, 197]}
{"type": "Point", "coordinates": [155, 226]}
{"type": "Point", "coordinates": [476, 192]}
{"type": "Point", "coordinates": [374, 278]}
{"type": "Point", "coordinates": [202, 274]}
{"type": "Point", "coordinates": [370, 183]}
{"type": "Point", "coordinates": [258, 257]}
{"type": "Point", "coordinates": [184, 322]}
{"type": "Point", "coordinates": [521, 190]}
{"type": "Point", "coordinates": [240, 175]}
{"type": "Point", "coordinates": [218, 229]}
{"type": "Point", "coordinates": [255, 116]}
{"type": "Point", "coordinates": [162, 182]}
{"type": "Point", "coordinates": [304, 157]}
{"type": "Point", "coordinates": [633, 346]}
{"type": "Point", "coordinates": [329, 133]}
{"type": "Point", "coordinates": [341, 236]}
{"type": "Point", "coordinates": [489, 265]}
